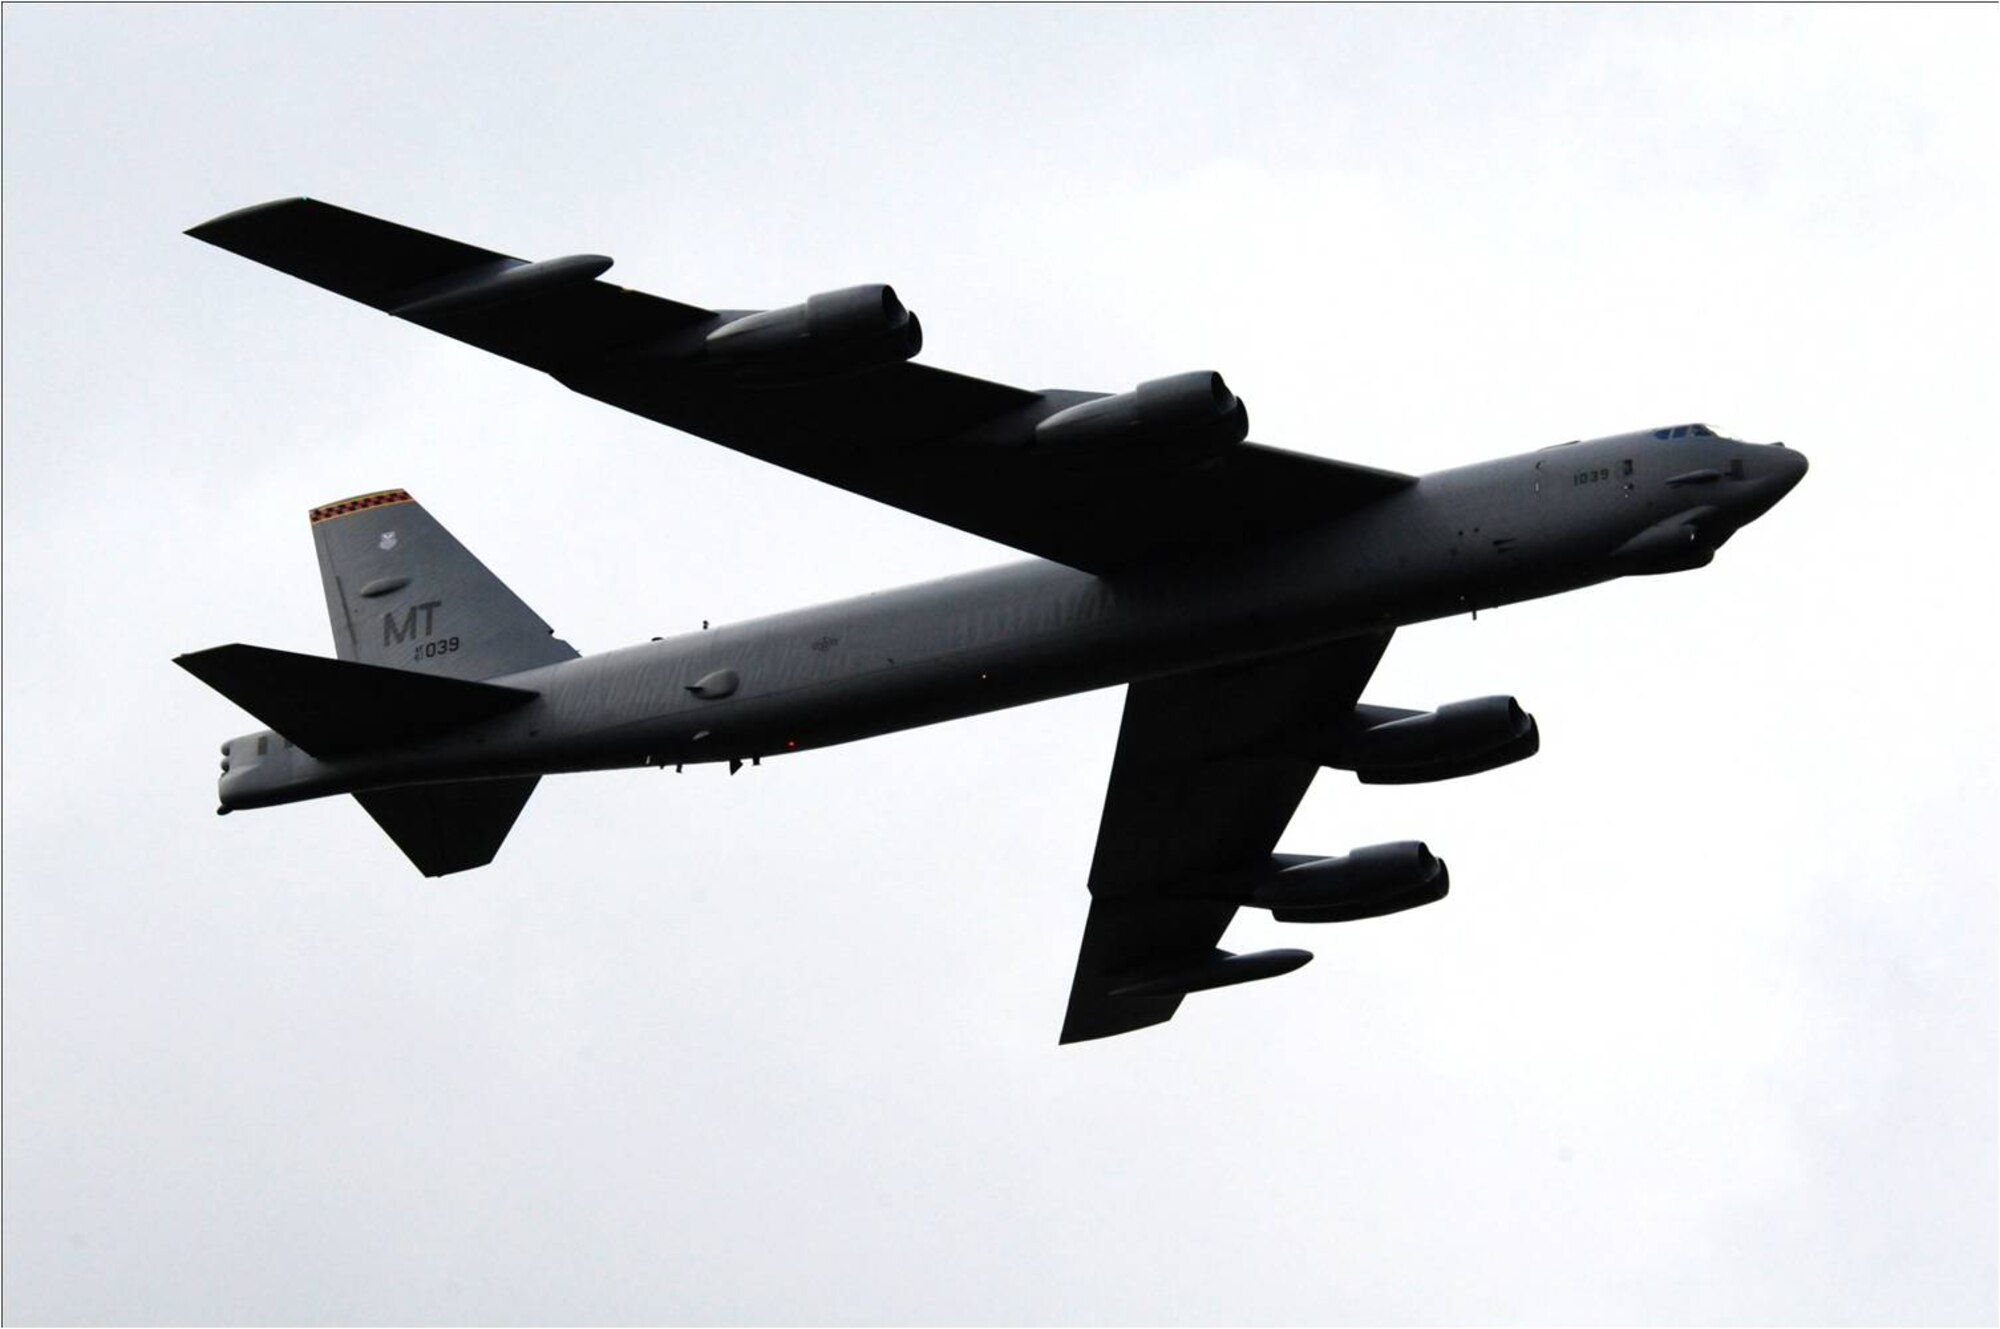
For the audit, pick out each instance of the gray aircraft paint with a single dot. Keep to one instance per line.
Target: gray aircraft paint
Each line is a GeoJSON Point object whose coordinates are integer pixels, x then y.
{"type": "Point", "coordinates": [1476, 537]}
{"type": "Point", "coordinates": [1244, 592]}
{"type": "Point", "coordinates": [400, 587]}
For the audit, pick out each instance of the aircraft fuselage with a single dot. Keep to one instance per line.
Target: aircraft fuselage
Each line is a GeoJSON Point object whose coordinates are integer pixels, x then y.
{"type": "Point", "coordinates": [1459, 540]}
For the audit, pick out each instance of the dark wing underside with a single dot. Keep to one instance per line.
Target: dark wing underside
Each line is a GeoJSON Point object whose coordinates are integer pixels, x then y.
{"type": "Point", "coordinates": [1200, 791]}
{"type": "Point", "coordinates": [942, 445]}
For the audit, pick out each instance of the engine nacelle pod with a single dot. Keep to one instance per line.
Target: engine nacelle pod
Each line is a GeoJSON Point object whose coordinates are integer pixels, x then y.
{"type": "Point", "coordinates": [859, 327]}
{"type": "Point", "coordinates": [1463, 738]}
{"type": "Point", "coordinates": [1368, 883]}
{"type": "Point", "coordinates": [1194, 410]}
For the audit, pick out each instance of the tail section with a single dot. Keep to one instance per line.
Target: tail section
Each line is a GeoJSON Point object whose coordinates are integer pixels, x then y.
{"type": "Point", "coordinates": [402, 593]}
{"type": "Point", "coordinates": [418, 625]}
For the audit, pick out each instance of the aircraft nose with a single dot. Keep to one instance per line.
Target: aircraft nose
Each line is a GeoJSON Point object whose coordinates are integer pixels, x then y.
{"type": "Point", "coordinates": [1773, 472]}
{"type": "Point", "coordinates": [1791, 468]}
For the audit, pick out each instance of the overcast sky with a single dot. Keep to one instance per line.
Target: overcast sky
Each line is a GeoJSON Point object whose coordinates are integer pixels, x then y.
{"type": "Point", "coordinates": [1706, 1030]}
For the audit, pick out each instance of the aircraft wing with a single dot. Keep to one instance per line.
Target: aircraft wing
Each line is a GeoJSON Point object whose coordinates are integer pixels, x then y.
{"type": "Point", "coordinates": [955, 449]}
{"type": "Point", "coordinates": [1201, 789]}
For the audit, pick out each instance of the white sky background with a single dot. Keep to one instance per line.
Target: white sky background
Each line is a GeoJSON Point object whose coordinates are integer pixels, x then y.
{"type": "Point", "coordinates": [1706, 1030]}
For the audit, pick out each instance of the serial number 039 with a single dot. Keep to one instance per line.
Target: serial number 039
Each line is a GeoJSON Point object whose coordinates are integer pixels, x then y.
{"type": "Point", "coordinates": [432, 649]}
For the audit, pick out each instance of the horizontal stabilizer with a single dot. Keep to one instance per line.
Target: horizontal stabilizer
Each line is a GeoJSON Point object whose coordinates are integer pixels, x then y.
{"type": "Point", "coordinates": [331, 708]}
{"type": "Point", "coordinates": [450, 827]}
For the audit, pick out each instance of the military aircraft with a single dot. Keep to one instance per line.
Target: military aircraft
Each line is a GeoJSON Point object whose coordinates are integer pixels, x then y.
{"type": "Point", "coordinates": [1242, 593]}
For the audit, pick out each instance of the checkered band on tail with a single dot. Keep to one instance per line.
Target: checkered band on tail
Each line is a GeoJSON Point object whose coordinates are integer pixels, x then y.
{"type": "Point", "coordinates": [360, 503]}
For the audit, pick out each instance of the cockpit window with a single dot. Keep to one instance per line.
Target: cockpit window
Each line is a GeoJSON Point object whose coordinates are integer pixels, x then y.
{"type": "Point", "coordinates": [1682, 431]}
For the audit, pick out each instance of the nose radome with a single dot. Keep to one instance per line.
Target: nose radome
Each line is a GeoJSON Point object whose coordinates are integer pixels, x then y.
{"type": "Point", "coordinates": [1775, 471]}
{"type": "Point", "coordinates": [1772, 469]}
{"type": "Point", "coordinates": [1792, 466]}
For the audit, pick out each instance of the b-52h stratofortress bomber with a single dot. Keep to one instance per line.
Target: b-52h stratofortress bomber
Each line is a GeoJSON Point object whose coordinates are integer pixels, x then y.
{"type": "Point", "coordinates": [1242, 593]}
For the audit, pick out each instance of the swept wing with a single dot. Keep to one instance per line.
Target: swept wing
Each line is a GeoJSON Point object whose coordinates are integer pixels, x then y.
{"type": "Point", "coordinates": [1203, 785]}
{"type": "Point", "coordinates": [959, 450]}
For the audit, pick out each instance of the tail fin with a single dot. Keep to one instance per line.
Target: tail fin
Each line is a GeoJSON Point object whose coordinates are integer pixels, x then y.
{"type": "Point", "coordinates": [331, 709]}
{"type": "Point", "coordinates": [418, 624]}
{"type": "Point", "coordinates": [402, 592]}
{"type": "Point", "coordinates": [450, 827]}
{"type": "Point", "coordinates": [336, 708]}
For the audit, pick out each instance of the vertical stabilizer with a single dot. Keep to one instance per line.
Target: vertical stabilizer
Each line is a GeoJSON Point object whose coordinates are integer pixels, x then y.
{"type": "Point", "coordinates": [402, 593]}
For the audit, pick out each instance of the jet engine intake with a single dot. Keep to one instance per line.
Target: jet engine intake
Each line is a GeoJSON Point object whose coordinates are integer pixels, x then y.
{"type": "Point", "coordinates": [1414, 747]}
{"type": "Point", "coordinates": [1380, 879]}
{"type": "Point", "coordinates": [1194, 410]}
{"type": "Point", "coordinates": [860, 327]}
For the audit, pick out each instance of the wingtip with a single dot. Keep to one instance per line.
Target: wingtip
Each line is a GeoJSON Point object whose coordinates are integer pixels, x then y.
{"type": "Point", "coordinates": [214, 227]}
{"type": "Point", "coordinates": [1110, 1017]}
{"type": "Point", "coordinates": [203, 664]}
